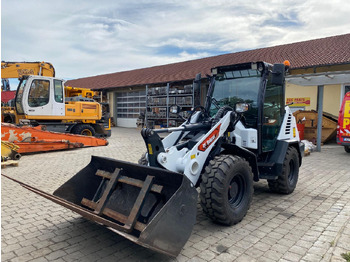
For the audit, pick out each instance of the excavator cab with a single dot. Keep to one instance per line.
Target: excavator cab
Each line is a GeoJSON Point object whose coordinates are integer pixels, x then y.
{"type": "Point", "coordinates": [40, 96]}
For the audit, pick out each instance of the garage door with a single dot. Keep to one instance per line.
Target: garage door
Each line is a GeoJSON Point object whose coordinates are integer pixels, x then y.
{"type": "Point", "coordinates": [128, 107]}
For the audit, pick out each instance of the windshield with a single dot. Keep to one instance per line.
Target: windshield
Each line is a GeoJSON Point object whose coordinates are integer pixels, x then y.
{"type": "Point", "coordinates": [237, 87]}
{"type": "Point", "coordinates": [19, 96]}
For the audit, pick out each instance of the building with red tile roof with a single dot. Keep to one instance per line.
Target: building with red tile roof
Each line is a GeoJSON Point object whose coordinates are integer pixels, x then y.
{"type": "Point", "coordinates": [324, 55]}
{"type": "Point", "coordinates": [302, 55]}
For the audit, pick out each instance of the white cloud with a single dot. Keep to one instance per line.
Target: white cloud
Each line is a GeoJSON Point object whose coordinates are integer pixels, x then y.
{"type": "Point", "coordinates": [83, 38]}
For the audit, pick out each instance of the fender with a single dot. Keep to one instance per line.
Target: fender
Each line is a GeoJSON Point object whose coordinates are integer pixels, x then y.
{"type": "Point", "coordinates": [246, 154]}
{"type": "Point", "coordinates": [281, 150]}
{"type": "Point", "coordinates": [273, 167]}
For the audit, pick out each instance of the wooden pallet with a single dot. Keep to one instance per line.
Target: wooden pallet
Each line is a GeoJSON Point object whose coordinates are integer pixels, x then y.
{"type": "Point", "coordinates": [9, 163]}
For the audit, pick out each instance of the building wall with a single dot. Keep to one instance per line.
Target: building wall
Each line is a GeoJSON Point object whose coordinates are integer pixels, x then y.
{"type": "Point", "coordinates": [295, 91]}
{"type": "Point", "coordinates": [331, 97]}
{"type": "Point", "coordinates": [111, 103]}
{"type": "Point", "coordinates": [331, 102]}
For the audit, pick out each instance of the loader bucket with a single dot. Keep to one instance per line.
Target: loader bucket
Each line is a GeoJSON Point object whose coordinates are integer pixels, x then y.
{"type": "Point", "coordinates": [152, 207]}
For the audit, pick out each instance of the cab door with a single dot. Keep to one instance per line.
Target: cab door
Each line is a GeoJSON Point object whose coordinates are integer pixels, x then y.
{"type": "Point", "coordinates": [38, 98]}
{"type": "Point", "coordinates": [58, 106]}
{"type": "Point", "coordinates": [273, 112]}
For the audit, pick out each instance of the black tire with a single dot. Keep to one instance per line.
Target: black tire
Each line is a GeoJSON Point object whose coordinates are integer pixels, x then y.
{"type": "Point", "coordinates": [288, 180]}
{"type": "Point", "coordinates": [143, 160]}
{"type": "Point", "coordinates": [84, 130]}
{"type": "Point", "coordinates": [347, 149]}
{"type": "Point", "coordinates": [226, 189]}
{"type": "Point", "coordinates": [9, 118]}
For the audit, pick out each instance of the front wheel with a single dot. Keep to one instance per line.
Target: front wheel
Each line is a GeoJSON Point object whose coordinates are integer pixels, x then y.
{"type": "Point", "coordinates": [347, 149]}
{"type": "Point", "coordinates": [84, 130]}
{"type": "Point", "coordinates": [287, 181]}
{"type": "Point", "coordinates": [226, 189]}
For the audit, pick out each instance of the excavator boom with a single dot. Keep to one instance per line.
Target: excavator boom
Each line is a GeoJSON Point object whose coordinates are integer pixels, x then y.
{"type": "Point", "coordinates": [34, 139]}
{"type": "Point", "coordinates": [19, 69]}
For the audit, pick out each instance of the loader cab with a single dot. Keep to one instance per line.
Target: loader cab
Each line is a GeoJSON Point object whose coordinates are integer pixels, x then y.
{"type": "Point", "coordinates": [40, 96]}
{"type": "Point", "coordinates": [262, 88]}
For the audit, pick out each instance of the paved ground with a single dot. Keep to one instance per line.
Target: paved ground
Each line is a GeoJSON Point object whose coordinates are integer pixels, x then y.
{"type": "Point", "coordinates": [312, 224]}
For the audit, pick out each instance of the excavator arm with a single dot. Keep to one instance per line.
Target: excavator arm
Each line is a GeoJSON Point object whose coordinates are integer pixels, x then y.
{"type": "Point", "coordinates": [19, 69]}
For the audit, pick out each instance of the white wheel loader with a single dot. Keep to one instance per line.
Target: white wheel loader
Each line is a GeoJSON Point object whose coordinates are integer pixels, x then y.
{"type": "Point", "coordinates": [243, 133]}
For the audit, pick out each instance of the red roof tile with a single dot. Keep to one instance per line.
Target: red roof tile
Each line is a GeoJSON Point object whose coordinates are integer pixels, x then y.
{"type": "Point", "coordinates": [324, 51]}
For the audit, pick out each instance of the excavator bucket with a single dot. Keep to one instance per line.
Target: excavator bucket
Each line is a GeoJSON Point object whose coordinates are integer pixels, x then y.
{"type": "Point", "coordinates": [152, 207]}
{"type": "Point", "coordinates": [9, 151]}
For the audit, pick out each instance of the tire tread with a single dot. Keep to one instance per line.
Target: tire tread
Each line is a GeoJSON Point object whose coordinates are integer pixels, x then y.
{"type": "Point", "coordinates": [213, 178]}
{"type": "Point", "coordinates": [281, 185]}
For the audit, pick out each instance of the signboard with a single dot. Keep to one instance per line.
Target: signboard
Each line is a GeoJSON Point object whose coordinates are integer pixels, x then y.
{"type": "Point", "coordinates": [298, 101]}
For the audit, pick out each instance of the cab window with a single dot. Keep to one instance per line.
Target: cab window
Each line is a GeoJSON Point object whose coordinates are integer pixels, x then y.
{"type": "Point", "coordinates": [19, 96]}
{"type": "Point", "coordinates": [58, 91]}
{"type": "Point", "coordinates": [240, 86]}
{"type": "Point", "coordinates": [39, 93]}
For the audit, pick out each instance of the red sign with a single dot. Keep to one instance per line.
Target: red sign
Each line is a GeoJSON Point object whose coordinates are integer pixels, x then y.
{"type": "Point", "coordinates": [298, 101]}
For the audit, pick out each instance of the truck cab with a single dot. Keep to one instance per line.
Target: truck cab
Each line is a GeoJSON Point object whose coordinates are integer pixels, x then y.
{"type": "Point", "coordinates": [343, 129]}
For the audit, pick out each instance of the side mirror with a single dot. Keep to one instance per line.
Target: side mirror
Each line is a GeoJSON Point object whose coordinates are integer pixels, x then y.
{"type": "Point", "coordinates": [241, 107]}
{"type": "Point", "coordinates": [278, 74]}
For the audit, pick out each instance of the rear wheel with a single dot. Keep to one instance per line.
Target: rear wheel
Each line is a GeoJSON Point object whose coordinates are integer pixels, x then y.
{"type": "Point", "coordinates": [9, 118]}
{"type": "Point", "coordinates": [287, 181]}
{"type": "Point", "coordinates": [226, 189]}
{"type": "Point", "coordinates": [347, 149]}
{"type": "Point", "coordinates": [85, 130]}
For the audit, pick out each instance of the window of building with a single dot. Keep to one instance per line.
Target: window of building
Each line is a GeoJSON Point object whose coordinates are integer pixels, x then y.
{"type": "Point", "coordinates": [39, 93]}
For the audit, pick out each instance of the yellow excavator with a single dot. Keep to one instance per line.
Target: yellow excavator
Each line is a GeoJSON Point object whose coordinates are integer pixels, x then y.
{"type": "Point", "coordinates": [43, 99]}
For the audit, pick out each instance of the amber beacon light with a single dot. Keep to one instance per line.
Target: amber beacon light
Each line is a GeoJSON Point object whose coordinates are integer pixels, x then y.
{"type": "Point", "coordinates": [286, 63]}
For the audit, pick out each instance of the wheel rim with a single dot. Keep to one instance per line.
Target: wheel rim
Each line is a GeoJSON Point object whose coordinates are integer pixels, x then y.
{"type": "Point", "coordinates": [291, 170]}
{"type": "Point", "coordinates": [236, 191]}
{"type": "Point", "coordinates": [86, 132]}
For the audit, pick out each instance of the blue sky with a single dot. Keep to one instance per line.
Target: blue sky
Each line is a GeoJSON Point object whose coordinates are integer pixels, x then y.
{"type": "Point", "coordinates": [86, 38]}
